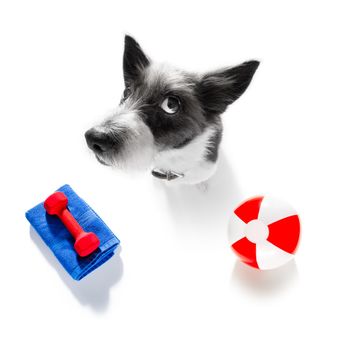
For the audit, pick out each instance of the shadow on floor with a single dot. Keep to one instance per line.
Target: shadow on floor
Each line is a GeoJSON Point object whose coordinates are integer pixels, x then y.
{"type": "Point", "coordinates": [204, 210]}
{"type": "Point", "coordinates": [267, 282]}
{"type": "Point", "coordinates": [93, 290]}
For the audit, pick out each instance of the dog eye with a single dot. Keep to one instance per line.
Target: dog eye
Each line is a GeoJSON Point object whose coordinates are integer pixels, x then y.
{"type": "Point", "coordinates": [170, 104]}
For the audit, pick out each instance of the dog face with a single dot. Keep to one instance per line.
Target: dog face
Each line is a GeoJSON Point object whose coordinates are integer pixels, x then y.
{"type": "Point", "coordinates": [164, 110]}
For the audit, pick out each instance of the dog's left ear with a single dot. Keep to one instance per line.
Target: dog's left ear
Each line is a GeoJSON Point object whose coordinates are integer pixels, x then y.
{"type": "Point", "coordinates": [217, 90]}
{"type": "Point", "coordinates": [134, 60]}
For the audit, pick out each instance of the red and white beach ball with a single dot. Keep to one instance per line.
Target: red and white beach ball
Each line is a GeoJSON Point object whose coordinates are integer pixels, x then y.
{"type": "Point", "coordinates": [264, 232]}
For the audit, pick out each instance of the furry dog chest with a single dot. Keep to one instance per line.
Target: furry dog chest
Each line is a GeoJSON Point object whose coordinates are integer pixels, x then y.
{"type": "Point", "coordinates": [190, 162]}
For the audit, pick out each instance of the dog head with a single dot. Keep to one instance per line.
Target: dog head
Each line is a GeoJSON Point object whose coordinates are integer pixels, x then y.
{"type": "Point", "coordinates": [164, 109]}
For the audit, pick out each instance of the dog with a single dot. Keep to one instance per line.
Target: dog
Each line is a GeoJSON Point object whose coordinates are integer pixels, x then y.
{"type": "Point", "coordinates": [168, 120]}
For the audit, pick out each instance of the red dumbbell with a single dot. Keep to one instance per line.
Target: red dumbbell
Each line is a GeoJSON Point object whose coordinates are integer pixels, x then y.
{"type": "Point", "coordinates": [85, 242]}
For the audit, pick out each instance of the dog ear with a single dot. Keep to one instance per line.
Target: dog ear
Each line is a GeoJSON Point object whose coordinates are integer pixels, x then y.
{"type": "Point", "coordinates": [219, 89]}
{"type": "Point", "coordinates": [134, 60]}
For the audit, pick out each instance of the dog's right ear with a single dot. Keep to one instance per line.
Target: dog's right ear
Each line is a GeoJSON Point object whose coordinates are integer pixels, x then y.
{"type": "Point", "coordinates": [219, 89]}
{"type": "Point", "coordinates": [134, 60]}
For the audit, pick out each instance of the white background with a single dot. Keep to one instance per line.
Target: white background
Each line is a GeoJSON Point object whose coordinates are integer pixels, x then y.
{"type": "Point", "coordinates": [176, 283]}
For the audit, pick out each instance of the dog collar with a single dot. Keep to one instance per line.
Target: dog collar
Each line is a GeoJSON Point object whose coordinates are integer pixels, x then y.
{"type": "Point", "coordinates": [166, 175]}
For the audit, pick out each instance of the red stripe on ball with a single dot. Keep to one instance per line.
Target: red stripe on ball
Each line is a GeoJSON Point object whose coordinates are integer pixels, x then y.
{"type": "Point", "coordinates": [246, 251]}
{"type": "Point", "coordinates": [285, 233]}
{"type": "Point", "coordinates": [249, 210]}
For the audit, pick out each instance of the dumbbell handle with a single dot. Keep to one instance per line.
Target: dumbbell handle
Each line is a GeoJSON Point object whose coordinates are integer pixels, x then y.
{"type": "Point", "coordinates": [85, 242]}
{"type": "Point", "coordinates": [70, 223]}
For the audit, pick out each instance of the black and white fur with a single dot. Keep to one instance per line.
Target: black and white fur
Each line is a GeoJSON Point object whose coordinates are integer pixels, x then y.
{"type": "Point", "coordinates": [168, 120]}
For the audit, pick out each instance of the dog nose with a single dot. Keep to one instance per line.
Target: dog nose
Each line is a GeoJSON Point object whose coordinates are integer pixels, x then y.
{"type": "Point", "coordinates": [98, 141]}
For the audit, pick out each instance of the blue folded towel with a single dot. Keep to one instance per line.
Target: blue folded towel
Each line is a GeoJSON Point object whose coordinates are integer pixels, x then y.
{"type": "Point", "coordinates": [61, 242]}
